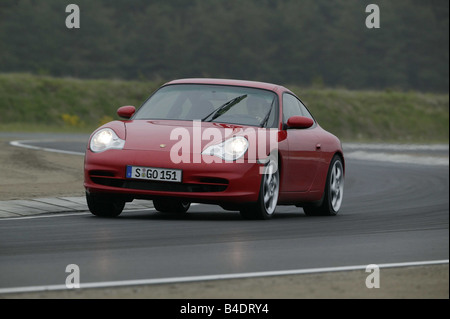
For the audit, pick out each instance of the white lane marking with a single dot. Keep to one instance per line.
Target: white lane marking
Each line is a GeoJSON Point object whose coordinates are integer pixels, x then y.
{"type": "Point", "coordinates": [109, 284]}
{"type": "Point", "coordinates": [24, 145]}
{"type": "Point", "coordinates": [398, 158]}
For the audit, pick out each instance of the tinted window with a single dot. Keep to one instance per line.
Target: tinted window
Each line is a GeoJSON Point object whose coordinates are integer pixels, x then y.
{"type": "Point", "coordinates": [245, 106]}
{"type": "Point", "coordinates": [293, 107]}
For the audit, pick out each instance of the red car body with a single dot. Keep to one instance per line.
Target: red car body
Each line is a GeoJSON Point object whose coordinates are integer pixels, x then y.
{"type": "Point", "coordinates": [304, 159]}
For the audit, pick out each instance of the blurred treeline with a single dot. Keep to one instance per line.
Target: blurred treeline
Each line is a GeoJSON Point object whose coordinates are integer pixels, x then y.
{"type": "Point", "coordinates": [301, 42]}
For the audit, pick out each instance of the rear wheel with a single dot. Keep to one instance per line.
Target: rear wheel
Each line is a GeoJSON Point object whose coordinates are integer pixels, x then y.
{"type": "Point", "coordinates": [264, 208]}
{"type": "Point", "coordinates": [104, 206]}
{"type": "Point", "coordinates": [334, 191]}
{"type": "Point", "coordinates": [171, 206]}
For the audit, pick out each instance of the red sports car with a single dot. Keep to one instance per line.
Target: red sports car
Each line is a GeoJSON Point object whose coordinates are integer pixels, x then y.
{"type": "Point", "coordinates": [246, 146]}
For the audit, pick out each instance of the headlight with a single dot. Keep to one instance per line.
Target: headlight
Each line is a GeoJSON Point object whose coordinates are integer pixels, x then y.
{"type": "Point", "coordinates": [105, 139]}
{"type": "Point", "coordinates": [230, 150]}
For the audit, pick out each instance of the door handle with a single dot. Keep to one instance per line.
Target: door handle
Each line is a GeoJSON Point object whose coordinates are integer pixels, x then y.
{"type": "Point", "coordinates": [318, 147]}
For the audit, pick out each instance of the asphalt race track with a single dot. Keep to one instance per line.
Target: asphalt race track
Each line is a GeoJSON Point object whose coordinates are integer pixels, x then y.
{"type": "Point", "coordinates": [392, 213]}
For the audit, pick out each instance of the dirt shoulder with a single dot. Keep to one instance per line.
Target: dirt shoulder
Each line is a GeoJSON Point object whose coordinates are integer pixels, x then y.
{"type": "Point", "coordinates": [29, 174]}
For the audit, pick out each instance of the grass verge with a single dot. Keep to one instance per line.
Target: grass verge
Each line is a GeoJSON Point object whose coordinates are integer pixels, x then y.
{"type": "Point", "coordinates": [46, 104]}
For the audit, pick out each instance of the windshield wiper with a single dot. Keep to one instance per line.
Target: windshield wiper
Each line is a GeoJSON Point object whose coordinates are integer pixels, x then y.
{"type": "Point", "coordinates": [224, 108]}
{"type": "Point", "coordinates": [264, 122]}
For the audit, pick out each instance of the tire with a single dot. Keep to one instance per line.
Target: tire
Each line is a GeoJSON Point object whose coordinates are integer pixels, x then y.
{"type": "Point", "coordinates": [265, 207]}
{"type": "Point", "coordinates": [171, 206]}
{"type": "Point", "coordinates": [334, 191]}
{"type": "Point", "coordinates": [104, 206]}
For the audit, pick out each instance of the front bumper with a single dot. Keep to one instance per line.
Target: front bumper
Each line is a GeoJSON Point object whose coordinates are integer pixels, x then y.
{"type": "Point", "coordinates": [215, 183]}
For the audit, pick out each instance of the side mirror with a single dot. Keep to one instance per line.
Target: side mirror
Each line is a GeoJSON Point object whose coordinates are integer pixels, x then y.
{"type": "Point", "coordinates": [126, 111]}
{"type": "Point", "coordinates": [300, 122]}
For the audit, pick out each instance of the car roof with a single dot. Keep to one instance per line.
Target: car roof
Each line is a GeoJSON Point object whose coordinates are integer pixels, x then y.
{"type": "Point", "coordinates": [252, 84]}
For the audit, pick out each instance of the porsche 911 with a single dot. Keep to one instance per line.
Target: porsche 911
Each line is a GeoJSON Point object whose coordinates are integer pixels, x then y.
{"type": "Point", "coordinates": [243, 145]}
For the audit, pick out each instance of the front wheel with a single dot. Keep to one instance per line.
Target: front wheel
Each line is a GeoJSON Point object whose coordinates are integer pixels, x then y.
{"type": "Point", "coordinates": [104, 206]}
{"type": "Point", "coordinates": [334, 191]}
{"type": "Point", "coordinates": [264, 208]}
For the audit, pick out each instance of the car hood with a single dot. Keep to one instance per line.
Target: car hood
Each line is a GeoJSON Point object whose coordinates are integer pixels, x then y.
{"type": "Point", "coordinates": [163, 134]}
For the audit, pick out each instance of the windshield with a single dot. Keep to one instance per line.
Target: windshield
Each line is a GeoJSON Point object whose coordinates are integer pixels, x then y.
{"type": "Point", "coordinates": [212, 103]}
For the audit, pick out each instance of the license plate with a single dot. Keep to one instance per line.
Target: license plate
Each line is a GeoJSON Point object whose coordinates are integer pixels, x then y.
{"type": "Point", "coordinates": [154, 174]}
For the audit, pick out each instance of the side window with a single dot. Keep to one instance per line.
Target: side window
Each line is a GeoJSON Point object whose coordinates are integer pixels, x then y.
{"type": "Point", "coordinates": [305, 111]}
{"type": "Point", "coordinates": [290, 107]}
{"type": "Point", "coordinates": [293, 107]}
